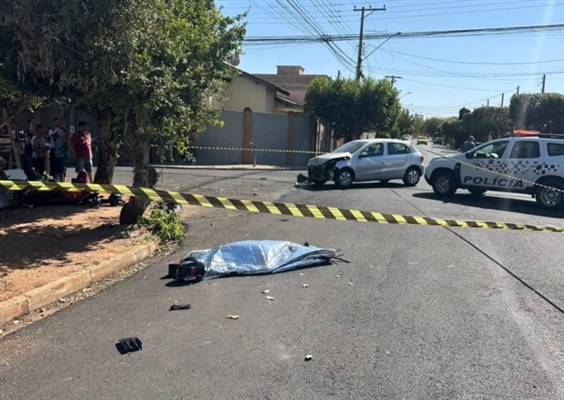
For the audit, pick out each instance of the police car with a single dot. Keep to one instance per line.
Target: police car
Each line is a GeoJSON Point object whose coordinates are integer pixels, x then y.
{"type": "Point", "coordinates": [531, 164]}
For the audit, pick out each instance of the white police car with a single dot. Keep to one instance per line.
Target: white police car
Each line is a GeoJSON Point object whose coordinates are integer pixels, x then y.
{"type": "Point", "coordinates": [521, 164]}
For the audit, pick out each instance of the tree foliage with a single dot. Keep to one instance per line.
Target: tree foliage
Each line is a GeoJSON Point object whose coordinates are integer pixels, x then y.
{"type": "Point", "coordinates": [143, 68]}
{"type": "Point", "coordinates": [543, 112]}
{"type": "Point", "coordinates": [486, 122]}
{"type": "Point", "coordinates": [353, 107]}
{"type": "Point", "coordinates": [405, 124]}
{"type": "Point", "coordinates": [432, 125]}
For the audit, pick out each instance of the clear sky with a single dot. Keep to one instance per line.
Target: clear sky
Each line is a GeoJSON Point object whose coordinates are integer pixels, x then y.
{"type": "Point", "coordinates": [465, 71]}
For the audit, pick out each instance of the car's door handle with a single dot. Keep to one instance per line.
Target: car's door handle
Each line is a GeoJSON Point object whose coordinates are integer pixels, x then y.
{"type": "Point", "coordinates": [383, 161]}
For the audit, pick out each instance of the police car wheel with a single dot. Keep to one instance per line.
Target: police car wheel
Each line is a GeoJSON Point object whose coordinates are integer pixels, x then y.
{"type": "Point", "coordinates": [549, 198]}
{"type": "Point", "coordinates": [444, 183]}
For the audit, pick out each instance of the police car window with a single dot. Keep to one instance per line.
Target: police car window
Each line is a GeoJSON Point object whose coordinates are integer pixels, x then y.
{"type": "Point", "coordinates": [525, 149]}
{"type": "Point", "coordinates": [492, 150]}
{"type": "Point", "coordinates": [376, 149]}
{"type": "Point", "coordinates": [555, 149]}
{"type": "Point", "coordinates": [397, 148]}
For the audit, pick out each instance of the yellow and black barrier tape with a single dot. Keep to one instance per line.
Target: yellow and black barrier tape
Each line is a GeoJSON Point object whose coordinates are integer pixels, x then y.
{"type": "Point", "coordinates": [251, 149]}
{"type": "Point", "coordinates": [288, 209]}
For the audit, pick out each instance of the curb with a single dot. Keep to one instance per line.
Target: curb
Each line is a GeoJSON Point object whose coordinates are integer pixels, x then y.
{"type": "Point", "coordinates": [26, 303]}
{"type": "Point", "coordinates": [230, 167]}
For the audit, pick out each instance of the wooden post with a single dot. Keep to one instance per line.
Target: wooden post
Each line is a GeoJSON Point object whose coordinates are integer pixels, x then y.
{"type": "Point", "coordinates": [247, 134]}
{"type": "Point", "coordinates": [291, 132]}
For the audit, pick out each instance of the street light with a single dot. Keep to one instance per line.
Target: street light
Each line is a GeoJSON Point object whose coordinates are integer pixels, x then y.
{"type": "Point", "coordinates": [404, 95]}
{"type": "Point", "coordinates": [381, 44]}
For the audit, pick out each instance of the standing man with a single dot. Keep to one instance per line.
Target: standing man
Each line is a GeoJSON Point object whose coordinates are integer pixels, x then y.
{"type": "Point", "coordinates": [61, 140]}
{"type": "Point", "coordinates": [81, 143]}
{"type": "Point", "coordinates": [468, 145]}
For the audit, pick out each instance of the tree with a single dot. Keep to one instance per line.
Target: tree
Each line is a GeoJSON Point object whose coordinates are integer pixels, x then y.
{"type": "Point", "coordinates": [353, 107]}
{"type": "Point", "coordinates": [484, 122]}
{"type": "Point", "coordinates": [462, 112]}
{"type": "Point", "coordinates": [432, 125]}
{"type": "Point", "coordinates": [142, 67]}
{"type": "Point", "coordinates": [170, 78]}
{"type": "Point", "coordinates": [543, 112]}
{"type": "Point", "coordinates": [405, 124]}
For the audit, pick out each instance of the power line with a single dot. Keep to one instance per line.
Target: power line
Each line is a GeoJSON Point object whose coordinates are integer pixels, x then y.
{"type": "Point", "coordinates": [452, 32]}
{"type": "Point", "coordinates": [476, 62]}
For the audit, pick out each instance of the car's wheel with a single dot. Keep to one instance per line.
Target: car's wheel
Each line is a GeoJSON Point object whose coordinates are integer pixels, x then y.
{"type": "Point", "coordinates": [444, 183]}
{"type": "Point", "coordinates": [549, 198]}
{"type": "Point", "coordinates": [344, 178]}
{"type": "Point", "coordinates": [477, 192]}
{"type": "Point", "coordinates": [319, 183]}
{"type": "Point", "coordinates": [412, 176]}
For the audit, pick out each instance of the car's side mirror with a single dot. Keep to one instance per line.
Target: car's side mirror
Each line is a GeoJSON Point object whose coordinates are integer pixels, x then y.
{"type": "Point", "coordinates": [468, 155]}
{"type": "Point", "coordinates": [363, 155]}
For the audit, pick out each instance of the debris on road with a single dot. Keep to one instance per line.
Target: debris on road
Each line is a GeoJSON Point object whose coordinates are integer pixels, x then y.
{"type": "Point", "coordinates": [308, 357]}
{"type": "Point", "coordinates": [305, 285]}
{"type": "Point", "coordinates": [177, 307]}
{"type": "Point", "coordinates": [269, 298]}
{"type": "Point", "coordinates": [351, 284]}
{"type": "Point", "coordinates": [129, 345]}
{"type": "Point", "coordinates": [266, 291]}
{"type": "Point", "coordinates": [249, 257]}
{"type": "Point", "coordinates": [232, 317]}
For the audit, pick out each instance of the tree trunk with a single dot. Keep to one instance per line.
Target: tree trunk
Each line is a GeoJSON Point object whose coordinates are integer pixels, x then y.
{"type": "Point", "coordinates": [108, 151]}
{"type": "Point", "coordinates": [144, 175]}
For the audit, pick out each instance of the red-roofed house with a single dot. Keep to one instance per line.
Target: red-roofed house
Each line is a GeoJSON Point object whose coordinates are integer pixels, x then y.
{"type": "Point", "coordinates": [293, 79]}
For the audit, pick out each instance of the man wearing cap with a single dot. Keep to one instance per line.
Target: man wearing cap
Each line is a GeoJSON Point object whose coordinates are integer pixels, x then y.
{"type": "Point", "coordinates": [81, 143]}
{"type": "Point", "coordinates": [468, 145]}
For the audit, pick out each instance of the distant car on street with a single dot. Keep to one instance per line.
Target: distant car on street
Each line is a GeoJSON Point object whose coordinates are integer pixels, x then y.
{"type": "Point", "coordinates": [439, 141]}
{"type": "Point", "coordinates": [406, 138]}
{"type": "Point", "coordinates": [422, 140]}
{"type": "Point", "coordinates": [368, 160]}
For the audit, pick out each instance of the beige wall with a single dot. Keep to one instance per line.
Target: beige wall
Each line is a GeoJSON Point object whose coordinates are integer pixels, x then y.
{"type": "Point", "coordinates": [243, 92]}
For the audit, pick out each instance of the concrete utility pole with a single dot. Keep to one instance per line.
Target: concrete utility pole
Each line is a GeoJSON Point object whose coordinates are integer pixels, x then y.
{"type": "Point", "coordinates": [517, 89]}
{"type": "Point", "coordinates": [393, 79]}
{"type": "Point", "coordinates": [364, 12]}
{"type": "Point", "coordinates": [502, 98]}
{"type": "Point", "coordinates": [488, 104]}
{"type": "Point", "coordinates": [543, 83]}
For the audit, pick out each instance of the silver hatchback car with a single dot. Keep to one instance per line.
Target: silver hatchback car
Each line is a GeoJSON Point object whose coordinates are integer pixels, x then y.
{"type": "Point", "coordinates": [368, 160]}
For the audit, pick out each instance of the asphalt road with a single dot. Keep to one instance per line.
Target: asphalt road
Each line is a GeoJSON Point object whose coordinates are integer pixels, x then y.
{"type": "Point", "coordinates": [419, 313]}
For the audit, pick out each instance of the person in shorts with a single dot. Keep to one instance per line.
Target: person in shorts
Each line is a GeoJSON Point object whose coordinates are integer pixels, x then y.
{"type": "Point", "coordinates": [61, 140]}
{"type": "Point", "coordinates": [81, 144]}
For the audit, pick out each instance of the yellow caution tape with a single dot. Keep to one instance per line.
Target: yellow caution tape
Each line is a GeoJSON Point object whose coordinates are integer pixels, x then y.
{"type": "Point", "coordinates": [266, 207]}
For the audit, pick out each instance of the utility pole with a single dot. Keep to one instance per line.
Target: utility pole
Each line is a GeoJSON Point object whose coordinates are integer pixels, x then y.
{"type": "Point", "coordinates": [543, 83]}
{"type": "Point", "coordinates": [364, 12]}
{"type": "Point", "coordinates": [393, 79]}
{"type": "Point", "coordinates": [517, 89]}
{"type": "Point", "coordinates": [487, 105]}
{"type": "Point", "coordinates": [502, 98]}
{"type": "Point", "coordinates": [339, 74]}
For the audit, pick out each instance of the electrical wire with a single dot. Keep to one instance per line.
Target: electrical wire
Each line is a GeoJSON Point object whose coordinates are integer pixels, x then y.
{"type": "Point", "coordinates": [477, 62]}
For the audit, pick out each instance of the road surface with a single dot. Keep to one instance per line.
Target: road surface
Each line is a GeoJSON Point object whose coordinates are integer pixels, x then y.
{"type": "Point", "coordinates": [419, 313]}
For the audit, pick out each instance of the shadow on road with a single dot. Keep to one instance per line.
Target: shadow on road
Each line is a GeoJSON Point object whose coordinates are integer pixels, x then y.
{"type": "Point", "coordinates": [495, 203]}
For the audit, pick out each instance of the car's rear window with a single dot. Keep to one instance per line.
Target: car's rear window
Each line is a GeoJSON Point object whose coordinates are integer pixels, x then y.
{"type": "Point", "coordinates": [555, 149]}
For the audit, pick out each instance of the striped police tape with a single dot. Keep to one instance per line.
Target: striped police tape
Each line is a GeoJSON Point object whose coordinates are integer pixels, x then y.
{"type": "Point", "coordinates": [289, 209]}
{"type": "Point", "coordinates": [252, 149]}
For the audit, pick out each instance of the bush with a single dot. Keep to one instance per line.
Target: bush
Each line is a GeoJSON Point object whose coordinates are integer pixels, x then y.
{"type": "Point", "coordinates": [166, 225]}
